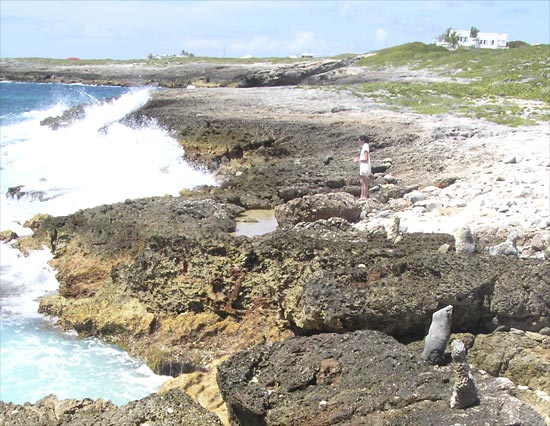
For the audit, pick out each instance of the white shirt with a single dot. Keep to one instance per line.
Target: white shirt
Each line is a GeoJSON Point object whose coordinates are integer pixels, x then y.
{"type": "Point", "coordinates": [364, 167]}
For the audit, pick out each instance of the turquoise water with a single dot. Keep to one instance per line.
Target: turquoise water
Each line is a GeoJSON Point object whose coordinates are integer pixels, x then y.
{"type": "Point", "coordinates": [37, 359]}
{"type": "Point", "coordinates": [95, 160]}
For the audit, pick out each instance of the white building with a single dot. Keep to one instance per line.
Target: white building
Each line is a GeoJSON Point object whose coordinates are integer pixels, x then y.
{"type": "Point", "coordinates": [482, 41]}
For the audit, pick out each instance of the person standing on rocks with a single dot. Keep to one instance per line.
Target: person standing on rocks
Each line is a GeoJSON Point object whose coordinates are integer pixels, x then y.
{"type": "Point", "coordinates": [365, 169]}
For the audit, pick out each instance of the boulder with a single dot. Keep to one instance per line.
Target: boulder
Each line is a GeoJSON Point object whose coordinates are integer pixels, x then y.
{"type": "Point", "coordinates": [358, 378]}
{"type": "Point", "coordinates": [521, 295]}
{"type": "Point", "coordinates": [320, 206]}
{"type": "Point", "coordinates": [522, 357]}
{"type": "Point", "coordinates": [359, 283]}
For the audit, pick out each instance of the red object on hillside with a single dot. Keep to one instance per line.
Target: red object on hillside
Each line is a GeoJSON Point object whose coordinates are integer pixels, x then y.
{"type": "Point", "coordinates": [73, 59]}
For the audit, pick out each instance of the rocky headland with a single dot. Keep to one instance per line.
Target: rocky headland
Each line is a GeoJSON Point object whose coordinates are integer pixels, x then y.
{"type": "Point", "coordinates": [321, 321]}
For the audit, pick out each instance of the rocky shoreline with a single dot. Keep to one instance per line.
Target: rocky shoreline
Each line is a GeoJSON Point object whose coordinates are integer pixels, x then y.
{"type": "Point", "coordinates": [323, 317]}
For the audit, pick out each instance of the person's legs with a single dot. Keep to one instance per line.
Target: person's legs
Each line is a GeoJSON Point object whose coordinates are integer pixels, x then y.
{"type": "Point", "coordinates": [364, 188]}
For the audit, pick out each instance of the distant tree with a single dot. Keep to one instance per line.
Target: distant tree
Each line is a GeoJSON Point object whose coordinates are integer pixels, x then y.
{"type": "Point", "coordinates": [445, 35]}
{"type": "Point", "coordinates": [474, 32]}
{"type": "Point", "coordinates": [450, 36]}
{"type": "Point", "coordinates": [150, 56]}
{"type": "Point", "coordinates": [186, 53]}
{"type": "Point", "coordinates": [454, 38]}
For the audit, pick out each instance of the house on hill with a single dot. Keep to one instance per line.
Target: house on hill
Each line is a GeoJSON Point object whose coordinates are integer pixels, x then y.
{"type": "Point", "coordinates": [482, 41]}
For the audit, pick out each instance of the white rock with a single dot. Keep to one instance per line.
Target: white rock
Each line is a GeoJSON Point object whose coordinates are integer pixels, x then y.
{"type": "Point", "coordinates": [415, 196]}
{"type": "Point", "coordinates": [464, 240]}
{"type": "Point", "coordinates": [457, 202]}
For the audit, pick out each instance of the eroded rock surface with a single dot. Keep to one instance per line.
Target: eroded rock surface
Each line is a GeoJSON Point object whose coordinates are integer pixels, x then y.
{"type": "Point", "coordinates": [165, 279]}
{"type": "Point", "coordinates": [356, 378]}
{"type": "Point", "coordinates": [171, 409]}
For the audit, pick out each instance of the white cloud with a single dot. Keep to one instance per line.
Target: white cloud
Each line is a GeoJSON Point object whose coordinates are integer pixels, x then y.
{"type": "Point", "coordinates": [258, 45]}
{"type": "Point", "coordinates": [381, 36]}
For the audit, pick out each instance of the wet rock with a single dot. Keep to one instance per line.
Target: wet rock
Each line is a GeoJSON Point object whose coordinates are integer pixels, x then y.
{"type": "Point", "coordinates": [52, 411]}
{"type": "Point", "coordinates": [67, 118]}
{"type": "Point", "coordinates": [8, 236]}
{"type": "Point", "coordinates": [17, 192]}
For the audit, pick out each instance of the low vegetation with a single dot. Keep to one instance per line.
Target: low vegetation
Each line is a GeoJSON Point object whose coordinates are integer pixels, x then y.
{"type": "Point", "coordinates": [510, 86]}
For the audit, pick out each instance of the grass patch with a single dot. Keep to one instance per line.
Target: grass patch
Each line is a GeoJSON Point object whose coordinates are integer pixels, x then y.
{"type": "Point", "coordinates": [483, 83]}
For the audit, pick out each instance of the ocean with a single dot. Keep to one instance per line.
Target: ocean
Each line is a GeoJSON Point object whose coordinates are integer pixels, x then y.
{"type": "Point", "coordinates": [92, 161]}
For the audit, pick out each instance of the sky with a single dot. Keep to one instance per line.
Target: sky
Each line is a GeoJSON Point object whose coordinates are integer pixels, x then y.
{"type": "Point", "coordinates": [134, 29]}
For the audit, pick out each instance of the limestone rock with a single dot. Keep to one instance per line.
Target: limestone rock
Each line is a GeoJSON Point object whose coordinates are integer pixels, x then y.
{"type": "Point", "coordinates": [523, 358]}
{"type": "Point", "coordinates": [524, 306]}
{"type": "Point", "coordinates": [320, 206]}
{"type": "Point", "coordinates": [507, 248]}
{"type": "Point", "coordinates": [464, 388]}
{"type": "Point", "coordinates": [171, 409]}
{"type": "Point", "coordinates": [464, 240]}
{"type": "Point", "coordinates": [8, 236]}
{"type": "Point", "coordinates": [392, 229]}
{"type": "Point", "coordinates": [356, 378]}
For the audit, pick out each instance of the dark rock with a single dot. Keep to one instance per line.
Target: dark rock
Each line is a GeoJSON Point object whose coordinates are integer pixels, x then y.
{"type": "Point", "coordinates": [174, 408]}
{"type": "Point", "coordinates": [17, 192]}
{"type": "Point", "coordinates": [356, 378]}
{"type": "Point", "coordinates": [380, 167]}
{"type": "Point", "coordinates": [8, 235]}
{"type": "Point", "coordinates": [67, 118]}
{"type": "Point", "coordinates": [445, 182]}
{"type": "Point", "coordinates": [320, 206]}
{"type": "Point", "coordinates": [521, 296]}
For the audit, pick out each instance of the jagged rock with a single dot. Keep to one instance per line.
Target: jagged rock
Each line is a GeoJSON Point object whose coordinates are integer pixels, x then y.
{"type": "Point", "coordinates": [464, 388]}
{"type": "Point", "coordinates": [507, 248]}
{"type": "Point", "coordinates": [356, 378]}
{"type": "Point", "coordinates": [147, 262]}
{"type": "Point", "coordinates": [524, 306]}
{"type": "Point", "coordinates": [8, 235]}
{"type": "Point", "coordinates": [320, 206]}
{"type": "Point", "coordinates": [293, 73]}
{"type": "Point", "coordinates": [52, 411]}
{"type": "Point", "coordinates": [68, 117]}
{"type": "Point", "coordinates": [464, 240]}
{"type": "Point", "coordinates": [392, 229]}
{"type": "Point", "coordinates": [335, 294]}
{"type": "Point", "coordinates": [523, 358]}
{"type": "Point", "coordinates": [171, 409]}
{"type": "Point", "coordinates": [17, 192]}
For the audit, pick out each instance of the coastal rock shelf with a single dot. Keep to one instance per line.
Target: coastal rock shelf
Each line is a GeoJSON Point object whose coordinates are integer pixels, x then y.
{"type": "Point", "coordinates": [320, 320]}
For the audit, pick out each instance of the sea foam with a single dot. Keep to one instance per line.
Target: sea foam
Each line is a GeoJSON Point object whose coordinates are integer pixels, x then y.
{"type": "Point", "coordinates": [95, 160]}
